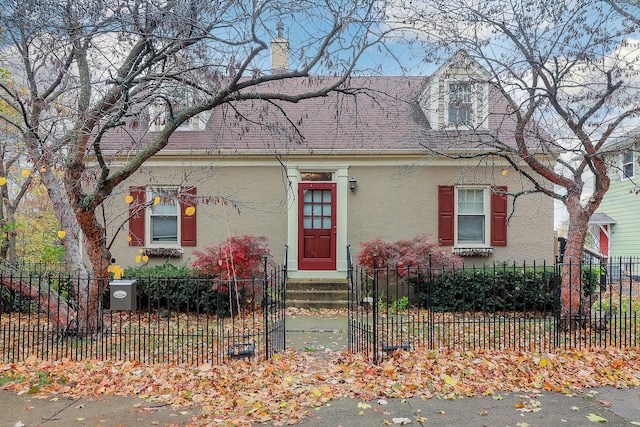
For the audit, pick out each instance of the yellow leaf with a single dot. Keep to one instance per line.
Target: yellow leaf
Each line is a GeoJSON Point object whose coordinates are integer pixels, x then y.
{"type": "Point", "coordinates": [128, 199]}
{"type": "Point", "coordinates": [25, 172]}
{"type": "Point", "coordinates": [61, 234]}
{"type": "Point", "coordinates": [138, 259]}
{"type": "Point", "coordinates": [140, 251]}
{"type": "Point", "coordinates": [544, 362]}
{"type": "Point", "coordinates": [43, 169]}
{"type": "Point", "coordinates": [156, 200]}
{"type": "Point", "coordinates": [190, 211]}
{"type": "Point", "coordinates": [80, 419]}
{"type": "Point", "coordinates": [596, 418]}
{"type": "Point", "coordinates": [449, 380]}
{"type": "Point", "coordinates": [387, 422]}
{"type": "Point", "coordinates": [361, 413]}
{"type": "Point", "coordinates": [145, 258]}
{"type": "Point", "coordinates": [364, 405]}
{"type": "Point", "coordinates": [3, 180]}
{"type": "Point", "coordinates": [129, 238]}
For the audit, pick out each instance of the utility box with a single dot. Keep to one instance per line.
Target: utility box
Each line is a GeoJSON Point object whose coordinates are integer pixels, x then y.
{"type": "Point", "coordinates": [123, 295]}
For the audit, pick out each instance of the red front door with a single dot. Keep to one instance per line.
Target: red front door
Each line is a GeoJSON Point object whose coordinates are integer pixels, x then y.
{"type": "Point", "coordinates": [317, 226]}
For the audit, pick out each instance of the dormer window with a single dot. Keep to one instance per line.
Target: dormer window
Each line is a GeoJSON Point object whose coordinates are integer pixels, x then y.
{"type": "Point", "coordinates": [173, 101]}
{"type": "Point", "coordinates": [460, 104]}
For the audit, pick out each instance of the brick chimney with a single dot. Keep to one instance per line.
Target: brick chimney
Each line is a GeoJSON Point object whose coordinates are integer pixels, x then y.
{"type": "Point", "coordinates": [279, 52]}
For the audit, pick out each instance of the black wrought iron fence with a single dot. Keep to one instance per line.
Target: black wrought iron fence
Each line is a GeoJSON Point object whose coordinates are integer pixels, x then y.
{"type": "Point", "coordinates": [189, 320]}
{"type": "Point", "coordinates": [501, 306]}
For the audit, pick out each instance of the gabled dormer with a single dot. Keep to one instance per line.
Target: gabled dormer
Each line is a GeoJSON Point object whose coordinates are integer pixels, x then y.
{"type": "Point", "coordinates": [169, 101]}
{"type": "Point", "coordinates": [456, 96]}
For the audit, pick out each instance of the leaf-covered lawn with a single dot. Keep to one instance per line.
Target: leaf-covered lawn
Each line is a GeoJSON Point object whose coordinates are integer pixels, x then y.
{"type": "Point", "coordinates": [288, 387]}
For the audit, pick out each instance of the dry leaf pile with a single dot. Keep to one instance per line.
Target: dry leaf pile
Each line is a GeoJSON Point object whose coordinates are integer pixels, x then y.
{"type": "Point", "coordinates": [288, 387]}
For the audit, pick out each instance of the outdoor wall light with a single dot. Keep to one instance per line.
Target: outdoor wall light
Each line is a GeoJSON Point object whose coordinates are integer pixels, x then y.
{"type": "Point", "coordinates": [352, 184]}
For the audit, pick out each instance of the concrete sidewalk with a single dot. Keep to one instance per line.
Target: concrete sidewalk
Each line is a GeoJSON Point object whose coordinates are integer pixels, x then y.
{"type": "Point", "coordinates": [506, 409]}
{"type": "Point", "coordinates": [323, 335]}
{"type": "Point", "coordinates": [309, 333]}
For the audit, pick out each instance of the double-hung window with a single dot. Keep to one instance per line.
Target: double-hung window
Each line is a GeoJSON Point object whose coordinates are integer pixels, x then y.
{"type": "Point", "coordinates": [472, 216]}
{"type": "Point", "coordinates": [628, 167]}
{"type": "Point", "coordinates": [460, 108]}
{"type": "Point", "coordinates": [162, 217]}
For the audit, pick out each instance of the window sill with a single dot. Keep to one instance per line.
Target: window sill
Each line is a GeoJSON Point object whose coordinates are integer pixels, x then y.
{"type": "Point", "coordinates": [472, 251]}
{"type": "Point", "coordinates": [164, 252]}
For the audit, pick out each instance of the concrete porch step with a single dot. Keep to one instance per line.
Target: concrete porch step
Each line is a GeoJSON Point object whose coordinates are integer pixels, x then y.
{"type": "Point", "coordinates": [317, 294]}
{"type": "Point", "coordinates": [318, 305]}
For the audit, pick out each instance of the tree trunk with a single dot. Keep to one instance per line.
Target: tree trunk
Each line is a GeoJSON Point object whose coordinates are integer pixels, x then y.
{"type": "Point", "coordinates": [90, 319]}
{"type": "Point", "coordinates": [10, 234]}
{"type": "Point", "coordinates": [571, 292]}
{"type": "Point", "coordinates": [57, 309]}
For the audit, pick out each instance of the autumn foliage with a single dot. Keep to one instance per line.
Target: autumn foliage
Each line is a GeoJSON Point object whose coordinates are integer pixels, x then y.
{"type": "Point", "coordinates": [237, 258]}
{"type": "Point", "coordinates": [406, 254]}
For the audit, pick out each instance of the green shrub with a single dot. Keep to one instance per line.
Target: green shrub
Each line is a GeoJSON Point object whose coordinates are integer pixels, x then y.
{"type": "Point", "coordinates": [173, 287]}
{"type": "Point", "coordinates": [591, 278]}
{"type": "Point", "coordinates": [489, 290]}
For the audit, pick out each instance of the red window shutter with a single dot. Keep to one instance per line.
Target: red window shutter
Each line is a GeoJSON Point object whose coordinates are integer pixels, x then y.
{"type": "Point", "coordinates": [446, 211]}
{"type": "Point", "coordinates": [136, 216]}
{"type": "Point", "coordinates": [188, 229]}
{"type": "Point", "coordinates": [499, 216]}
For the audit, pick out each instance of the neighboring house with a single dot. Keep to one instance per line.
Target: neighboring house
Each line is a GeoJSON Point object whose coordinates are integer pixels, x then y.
{"type": "Point", "coordinates": [340, 170]}
{"type": "Point", "coordinates": [615, 226]}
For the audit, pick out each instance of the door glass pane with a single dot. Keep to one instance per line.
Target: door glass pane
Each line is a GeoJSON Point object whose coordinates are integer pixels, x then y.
{"type": "Point", "coordinates": [317, 194]}
{"type": "Point", "coordinates": [326, 210]}
{"type": "Point", "coordinates": [326, 223]}
{"type": "Point", "coordinates": [326, 196]}
{"type": "Point", "coordinates": [307, 209]}
{"type": "Point", "coordinates": [306, 223]}
{"type": "Point", "coordinates": [317, 210]}
{"type": "Point", "coordinates": [317, 223]}
{"type": "Point", "coordinates": [307, 195]}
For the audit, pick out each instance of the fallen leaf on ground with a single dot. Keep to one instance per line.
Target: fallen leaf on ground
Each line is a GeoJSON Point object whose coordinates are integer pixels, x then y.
{"type": "Point", "coordinates": [596, 418]}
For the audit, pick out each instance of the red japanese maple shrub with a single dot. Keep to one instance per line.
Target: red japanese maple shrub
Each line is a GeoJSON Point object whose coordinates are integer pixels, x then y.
{"type": "Point", "coordinates": [237, 258]}
{"type": "Point", "coordinates": [404, 255]}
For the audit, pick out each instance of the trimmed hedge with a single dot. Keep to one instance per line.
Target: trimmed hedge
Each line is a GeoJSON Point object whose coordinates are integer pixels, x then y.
{"type": "Point", "coordinates": [498, 289]}
{"type": "Point", "coordinates": [177, 288]}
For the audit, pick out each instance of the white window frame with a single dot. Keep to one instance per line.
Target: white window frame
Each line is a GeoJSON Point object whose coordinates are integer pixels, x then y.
{"type": "Point", "coordinates": [474, 104]}
{"type": "Point", "coordinates": [149, 214]}
{"type": "Point", "coordinates": [624, 163]}
{"type": "Point", "coordinates": [486, 199]}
